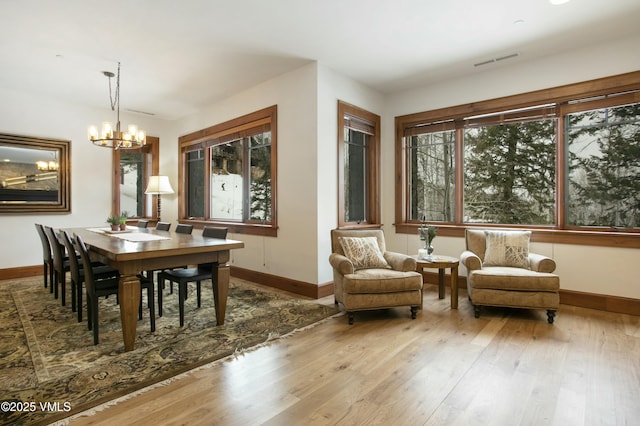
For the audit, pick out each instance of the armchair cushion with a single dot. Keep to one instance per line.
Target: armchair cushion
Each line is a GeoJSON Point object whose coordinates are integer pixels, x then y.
{"type": "Point", "coordinates": [507, 248]}
{"type": "Point", "coordinates": [363, 252]}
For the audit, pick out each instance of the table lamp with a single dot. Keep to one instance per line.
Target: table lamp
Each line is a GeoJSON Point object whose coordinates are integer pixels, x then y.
{"type": "Point", "coordinates": [158, 185]}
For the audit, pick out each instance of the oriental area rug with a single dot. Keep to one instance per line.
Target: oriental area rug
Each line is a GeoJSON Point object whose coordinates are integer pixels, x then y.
{"type": "Point", "coordinates": [50, 369]}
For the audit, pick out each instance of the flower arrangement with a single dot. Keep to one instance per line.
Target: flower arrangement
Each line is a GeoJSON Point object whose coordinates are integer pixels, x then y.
{"type": "Point", "coordinates": [427, 233]}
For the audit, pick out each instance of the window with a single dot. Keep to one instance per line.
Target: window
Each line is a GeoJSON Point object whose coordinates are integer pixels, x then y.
{"type": "Point", "coordinates": [604, 167]}
{"type": "Point", "coordinates": [132, 170]}
{"type": "Point", "coordinates": [558, 160]}
{"type": "Point", "coordinates": [509, 169]}
{"type": "Point", "coordinates": [358, 167]}
{"type": "Point", "coordinates": [227, 174]}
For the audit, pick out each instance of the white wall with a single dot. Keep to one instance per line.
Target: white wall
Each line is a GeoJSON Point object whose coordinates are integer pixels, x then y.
{"type": "Point", "coordinates": [27, 115]}
{"type": "Point", "coordinates": [293, 253]}
{"type": "Point", "coordinates": [307, 162]}
{"type": "Point", "coordinates": [602, 270]}
{"type": "Point", "coordinates": [332, 87]}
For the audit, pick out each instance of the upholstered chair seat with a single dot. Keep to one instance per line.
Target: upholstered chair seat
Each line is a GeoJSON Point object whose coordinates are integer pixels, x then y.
{"type": "Point", "coordinates": [502, 272]}
{"type": "Point", "coordinates": [360, 283]}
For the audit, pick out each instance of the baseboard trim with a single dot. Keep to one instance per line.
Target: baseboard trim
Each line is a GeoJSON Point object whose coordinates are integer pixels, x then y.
{"type": "Point", "coordinates": [315, 291]}
{"type": "Point", "coordinates": [20, 272]}
{"type": "Point", "coordinates": [601, 302]}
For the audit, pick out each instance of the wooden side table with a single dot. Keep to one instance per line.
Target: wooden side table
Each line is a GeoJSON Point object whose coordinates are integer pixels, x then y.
{"type": "Point", "coordinates": [441, 263]}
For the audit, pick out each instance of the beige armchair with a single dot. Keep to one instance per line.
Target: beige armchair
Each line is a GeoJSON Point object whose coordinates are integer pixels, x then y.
{"type": "Point", "coordinates": [502, 272]}
{"type": "Point", "coordinates": [366, 276]}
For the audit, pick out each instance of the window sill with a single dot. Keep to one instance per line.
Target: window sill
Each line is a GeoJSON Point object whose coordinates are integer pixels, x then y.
{"type": "Point", "coordinates": [542, 235]}
{"type": "Point", "coordinates": [235, 227]}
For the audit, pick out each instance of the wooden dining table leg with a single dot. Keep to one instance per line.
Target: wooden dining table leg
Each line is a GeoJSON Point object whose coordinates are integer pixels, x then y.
{"type": "Point", "coordinates": [129, 300]}
{"type": "Point", "coordinates": [454, 287]}
{"type": "Point", "coordinates": [220, 282]}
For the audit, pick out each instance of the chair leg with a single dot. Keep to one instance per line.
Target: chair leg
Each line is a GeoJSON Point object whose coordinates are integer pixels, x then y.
{"type": "Point", "coordinates": [476, 311]}
{"type": "Point", "coordinates": [45, 273]}
{"type": "Point", "coordinates": [198, 291]}
{"type": "Point", "coordinates": [79, 301]}
{"type": "Point", "coordinates": [350, 317]}
{"type": "Point", "coordinates": [63, 288]}
{"type": "Point", "coordinates": [95, 319]}
{"type": "Point", "coordinates": [551, 314]}
{"type": "Point", "coordinates": [182, 291]}
{"type": "Point", "coordinates": [151, 304]}
{"type": "Point", "coordinates": [414, 311]}
{"type": "Point", "coordinates": [160, 287]}
{"type": "Point", "coordinates": [74, 298]}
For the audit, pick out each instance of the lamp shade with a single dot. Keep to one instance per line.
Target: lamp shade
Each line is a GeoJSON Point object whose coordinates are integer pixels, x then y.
{"type": "Point", "coordinates": [159, 185]}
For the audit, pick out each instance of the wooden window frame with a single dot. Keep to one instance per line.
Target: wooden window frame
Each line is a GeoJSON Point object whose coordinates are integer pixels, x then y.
{"type": "Point", "coordinates": [202, 139]}
{"type": "Point", "coordinates": [152, 147]}
{"type": "Point", "coordinates": [562, 97]}
{"type": "Point", "coordinates": [373, 219]}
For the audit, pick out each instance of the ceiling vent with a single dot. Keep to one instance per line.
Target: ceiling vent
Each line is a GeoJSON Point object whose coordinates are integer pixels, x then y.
{"type": "Point", "coordinates": [493, 60]}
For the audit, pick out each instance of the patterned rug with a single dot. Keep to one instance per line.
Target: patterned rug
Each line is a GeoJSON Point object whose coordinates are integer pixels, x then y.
{"type": "Point", "coordinates": [50, 369]}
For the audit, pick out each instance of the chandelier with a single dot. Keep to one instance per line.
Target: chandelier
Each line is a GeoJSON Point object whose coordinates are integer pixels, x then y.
{"type": "Point", "coordinates": [116, 138]}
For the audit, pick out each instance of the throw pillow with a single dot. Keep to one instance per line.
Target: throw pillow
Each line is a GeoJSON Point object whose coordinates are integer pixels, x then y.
{"type": "Point", "coordinates": [363, 252]}
{"type": "Point", "coordinates": [507, 248]}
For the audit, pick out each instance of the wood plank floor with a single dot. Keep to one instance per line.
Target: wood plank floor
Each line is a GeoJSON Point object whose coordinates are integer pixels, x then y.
{"type": "Point", "coordinates": [509, 367]}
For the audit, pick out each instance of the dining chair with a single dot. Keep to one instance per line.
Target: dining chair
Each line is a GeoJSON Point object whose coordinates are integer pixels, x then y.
{"type": "Point", "coordinates": [77, 271]}
{"type": "Point", "coordinates": [182, 228]}
{"type": "Point", "coordinates": [60, 264]}
{"type": "Point", "coordinates": [184, 276]}
{"type": "Point", "coordinates": [47, 258]}
{"type": "Point", "coordinates": [142, 223]}
{"type": "Point", "coordinates": [163, 226]}
{"type": "Point", "coordinates": [96, 287]}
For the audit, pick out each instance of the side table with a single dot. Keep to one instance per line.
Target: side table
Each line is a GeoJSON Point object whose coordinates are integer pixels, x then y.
{"type": "Point", "coordinates": [441, 263]}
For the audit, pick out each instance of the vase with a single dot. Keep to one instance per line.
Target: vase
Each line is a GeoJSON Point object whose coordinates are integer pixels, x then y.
{"type": "Point", "coordinates": [425, 253]}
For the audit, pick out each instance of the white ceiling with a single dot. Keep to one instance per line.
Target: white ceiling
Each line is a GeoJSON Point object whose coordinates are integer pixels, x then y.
{"type": "Point", "coordinates": [180, 55]}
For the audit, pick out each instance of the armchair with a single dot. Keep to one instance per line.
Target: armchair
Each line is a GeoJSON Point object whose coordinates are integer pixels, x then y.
{"type": "Point", "coordinates": [502, 272]}
{"type": "Point", "coordinates": [366, 276]}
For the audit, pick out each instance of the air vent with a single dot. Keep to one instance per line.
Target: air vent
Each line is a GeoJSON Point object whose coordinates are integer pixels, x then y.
{"type": "Point", "coordinates": [140, 112]}
{"type": "Point", "coordinates": [493, 60]}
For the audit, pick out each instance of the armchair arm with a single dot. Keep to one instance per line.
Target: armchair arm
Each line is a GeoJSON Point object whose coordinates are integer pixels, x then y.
{"type": "Point", "coordinates": [400, 262]}
{"type": "Point", "coordinates": [540, 263]}
{"type": "Point", "coordinates": [341, 264]}
{"type": "Point", "coordinates": [470, 260]}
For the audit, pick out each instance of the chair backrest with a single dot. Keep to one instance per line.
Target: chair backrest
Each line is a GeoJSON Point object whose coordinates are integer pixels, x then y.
{"type": "Point", "coordinates": [163, 226]}
{"type": "Point", "coordinates": [215, 232]}
{"type": "Point", "coordinates": [476, 242]}
{"type": "Point", "coordinates": [142, 223]}
{"type": "Point", "coordinates": [74, 265]}
{"type": "Point", "coordinates": [181, 228]}
{"type": "Point", "coordinates": [46, 247]}
{"type": "Point", "coordinates": [57, 249]}
{"type": "Point", "coordinates": [89, 282]}
{"type": "Point", "coordinates": [336, 233]}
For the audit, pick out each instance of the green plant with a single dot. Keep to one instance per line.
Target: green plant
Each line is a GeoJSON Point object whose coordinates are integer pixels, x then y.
{"type": "Point", "coordinates": [113, 220]}
{"type": "Point", "coordinates": [123, 217]}
{"type": "Point", "coordinates": [427, 233]}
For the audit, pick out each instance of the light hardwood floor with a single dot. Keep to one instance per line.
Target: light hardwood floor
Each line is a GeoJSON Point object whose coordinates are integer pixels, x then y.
{"type": "Point", "coordinates": [509, 367]}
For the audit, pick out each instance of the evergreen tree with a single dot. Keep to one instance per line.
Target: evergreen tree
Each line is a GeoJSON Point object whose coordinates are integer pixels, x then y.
{"type": "Point", "coordinates": [605, 183]}
{"type": "Point", "coordinates": [510, 173]}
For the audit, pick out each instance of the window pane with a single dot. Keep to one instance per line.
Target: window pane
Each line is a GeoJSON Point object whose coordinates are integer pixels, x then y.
{"type": "Point", "coordinates": [431, 171]}
{"type": "Point", "coordinates": [509, 173]}
{"type": "Point", "coordinates": [226, 181]}
{"type": "Point", "coordinates": [604, 167]}
{"type": "Point", "coordinates": [355, 175]}
{"type": "Point", "coordinates": [260, 178]}
{"type": "Point", "coordinates": [195, 183]}
{"type": "Point", "coordinates": [132, 172]}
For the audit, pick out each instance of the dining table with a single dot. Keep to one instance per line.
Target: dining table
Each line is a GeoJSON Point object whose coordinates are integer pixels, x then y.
{"type": "Point", "coordinates": [135, 250]}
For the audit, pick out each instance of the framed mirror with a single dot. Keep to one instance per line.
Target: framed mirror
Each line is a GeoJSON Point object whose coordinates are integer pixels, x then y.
{"type": "Point", "coordinates": [34, 175]}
